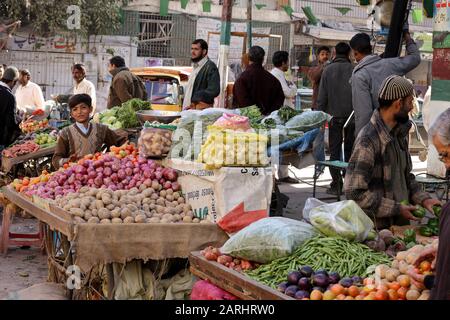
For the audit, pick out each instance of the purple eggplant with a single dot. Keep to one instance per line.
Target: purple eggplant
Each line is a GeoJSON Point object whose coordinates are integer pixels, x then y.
{"type": "Point", "coordinates": [305, 284]}
{"type": "Point", "coordinates": [282, 287]}
{"type": "Point", "coordinates": [346, 282]}
{"type": "Point", "coordinates": [293, 277]}
{"type": "Point", "coordinates": [320, 280]}
{"type": "Point", "coordinates": [306, 271]}
{"type": "Point", "coordinates": [334, 277]}
{"type": "Point", "coordinates": [291, 291]}
{"type": "Point", "coordinates": [301, 294]}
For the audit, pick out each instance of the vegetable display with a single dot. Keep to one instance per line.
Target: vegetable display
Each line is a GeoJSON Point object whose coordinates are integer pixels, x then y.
{"type": "Point", "coordinates": [287, 113]}
{"type": "Point", "coordinates": [46, 138]}
{"type": "Point", "coordinates": [33, 125]}
{"type": "Point", "coordinates": [214, 254]}
{"type": "Point", "coordinates": [123, 116]}
{"type": "Point", "coordinates": [307, 284]}
{"type": "Point", "coordinates": [155, 141]}
{"type": "Point", "coordinates": [150, 203]}
{"type": "Point", "coordinates": [20, 149]}
{"type": "Point", "coordinates": [395, 278]}
{"type": "Point", "coordinates": [335, 254]}
{"type": "Point", "coordinates": [106, 172]}
{"type": "Point", "coordinates": [385, 241]}
{"type": "Point", "coordinates": [233, 148]}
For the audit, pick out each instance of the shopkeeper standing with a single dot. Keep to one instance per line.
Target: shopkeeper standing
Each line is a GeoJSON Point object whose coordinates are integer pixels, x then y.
{"type": "Point", "coordinates": [204, 81]}
{"type": "Point", "coordinates": [28, 95]}
{"type": "Point", "coordinates": [83, 85]}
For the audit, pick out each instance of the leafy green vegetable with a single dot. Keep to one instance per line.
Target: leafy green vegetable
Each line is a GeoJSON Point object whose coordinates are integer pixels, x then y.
{"type": "Point", "coordinates": [123, 116]}
{"type": "Point", "coordinates": [137, 104]}
{"type": "Point", "coordinates": [286, 113]}
{"type": "Point", "coordinates": [127, 115]}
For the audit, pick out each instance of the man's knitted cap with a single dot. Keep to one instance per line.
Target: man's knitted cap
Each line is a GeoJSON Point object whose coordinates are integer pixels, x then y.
{"type": "Point", "coordinates": [11, 74]}
{"type": "Point", "coordinates": [395, 87]}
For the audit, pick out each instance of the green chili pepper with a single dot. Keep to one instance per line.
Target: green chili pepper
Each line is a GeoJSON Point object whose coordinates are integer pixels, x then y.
{"type": "Point", "coordinates": [432, 223]}
{"type": "Point", "coordinates": [409, 236]}
{"type": "Point", "coordinates": [437, 210]}
{"type": "Point", "coordinates": [426, 231]}
{"type": "Point", "coordinates": [404, 202]}
{"type": "Point", "coordinates": [419, 212]}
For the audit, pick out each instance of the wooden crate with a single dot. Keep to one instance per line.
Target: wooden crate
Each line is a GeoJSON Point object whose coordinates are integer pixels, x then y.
{"type": "Point", "coordinates": [232, 281]}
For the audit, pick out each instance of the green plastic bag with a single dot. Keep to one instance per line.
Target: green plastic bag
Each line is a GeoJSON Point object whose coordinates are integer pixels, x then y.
{"type": "Point", "coordinates": [268, 239]}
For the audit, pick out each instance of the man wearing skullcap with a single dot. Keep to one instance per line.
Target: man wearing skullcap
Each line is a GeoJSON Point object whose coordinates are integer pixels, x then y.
{"type": "Point", "coordinates": [379, 172]}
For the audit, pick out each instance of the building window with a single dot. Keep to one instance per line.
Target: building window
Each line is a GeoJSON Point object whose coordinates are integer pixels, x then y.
{"type": "Point", "coordinates": [155, 35]}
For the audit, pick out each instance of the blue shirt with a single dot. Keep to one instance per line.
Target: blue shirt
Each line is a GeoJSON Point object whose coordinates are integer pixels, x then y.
{"type": "Point", "coordinates": [83, 128]}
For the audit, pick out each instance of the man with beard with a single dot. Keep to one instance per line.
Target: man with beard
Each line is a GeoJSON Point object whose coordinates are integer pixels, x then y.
{"type": "Point", "coordinates": [379, 173]}
{"type": "Point", "coordinates": [204, 81]}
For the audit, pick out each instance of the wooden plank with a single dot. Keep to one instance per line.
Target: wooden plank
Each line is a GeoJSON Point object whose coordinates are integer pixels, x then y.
{"type": "Point", "coordinates": [8, 163]}
{"type": "Point", "coordinates": [60, 212]}
{"type": "Point", "coordinates": [55, 222]}
{"type": "Point", "coordinates": [232, 281]}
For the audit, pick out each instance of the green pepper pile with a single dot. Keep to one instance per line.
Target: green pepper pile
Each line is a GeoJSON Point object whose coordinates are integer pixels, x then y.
{"type": "Point", "coordinates": [428, 230]}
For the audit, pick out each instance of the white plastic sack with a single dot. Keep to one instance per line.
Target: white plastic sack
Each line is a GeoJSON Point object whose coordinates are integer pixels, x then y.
{"type": "Point", "coordinates": [268, 239]}
{"type": "Point", "coordinates": [344, 218]}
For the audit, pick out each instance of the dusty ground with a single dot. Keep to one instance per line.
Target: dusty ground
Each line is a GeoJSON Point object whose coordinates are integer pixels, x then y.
{"type": "Point", "coordinates": [22, 268]}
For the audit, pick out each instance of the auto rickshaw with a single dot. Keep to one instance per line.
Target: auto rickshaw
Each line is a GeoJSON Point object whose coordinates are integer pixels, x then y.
{"type": "Point", "coordinates": [164, 86]}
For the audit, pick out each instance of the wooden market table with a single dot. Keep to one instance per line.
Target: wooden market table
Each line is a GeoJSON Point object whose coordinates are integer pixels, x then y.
{"type": "Point", "coordinates": [89, 245]}
{"type": "Point", "coordinates": [232, 281]}
{"type": "Point", "coordinates": [9, 163]}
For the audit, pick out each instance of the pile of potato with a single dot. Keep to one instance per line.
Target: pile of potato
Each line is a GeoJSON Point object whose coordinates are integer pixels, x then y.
{"type": "Point", "coordinates": [137, 205]}
{"type": "Point", "coordinates": [155, 142]}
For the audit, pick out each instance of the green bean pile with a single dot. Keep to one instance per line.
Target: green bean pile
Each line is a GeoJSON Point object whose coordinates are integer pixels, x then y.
{"type": "Point", "coordinates": [331, 254]}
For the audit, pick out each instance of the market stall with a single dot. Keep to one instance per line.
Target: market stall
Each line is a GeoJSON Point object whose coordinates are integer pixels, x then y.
{"type": "Point", "coordinates": [88, 245]}
{"type": "Point", "coordinates": [336, 255]}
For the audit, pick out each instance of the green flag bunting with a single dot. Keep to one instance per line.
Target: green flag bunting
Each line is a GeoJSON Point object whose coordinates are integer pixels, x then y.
{"type": "Point", "coordinates": [310, 15]}
{"type": "Point", "coordinates": [428, 8]}
{"type": "Point", "coordinates": [288, 10]}
{"type": "Point", "coordinates": [184, 3]}
{"type": "Point", "coordinates": [206, 6]}
{"type": "Point", "coordinates": [343, 10]}
{"type": "Point", "coordinates": [260, 6]}
{"type": "Point", "coordinates": [164, 8]}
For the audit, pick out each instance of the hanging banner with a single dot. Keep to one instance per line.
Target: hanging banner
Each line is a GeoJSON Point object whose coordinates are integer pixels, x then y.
{"type": "Point", "coordinates": [164, 8]}
{"type": "Point", "coordinates": [184, 3]}
{"type": "Point", "coordinates": [441, 16]}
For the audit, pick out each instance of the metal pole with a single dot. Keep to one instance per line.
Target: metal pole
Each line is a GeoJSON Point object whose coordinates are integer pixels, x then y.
{"type": "Point", "coordinates": [225, 36]}
{"type": "Point", "coordinates": [394, 40]}
{"type": "Point", "coordinates": [249, 24]}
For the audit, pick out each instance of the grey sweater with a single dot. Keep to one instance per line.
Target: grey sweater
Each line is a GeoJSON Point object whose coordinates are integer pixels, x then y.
{"type": "Point", "coordinates": [335, 92]}
{"type": "Point", "coordinates": [368, 76]}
